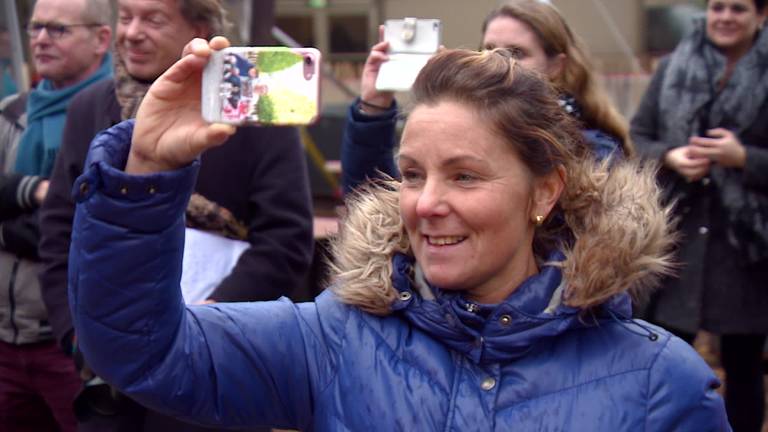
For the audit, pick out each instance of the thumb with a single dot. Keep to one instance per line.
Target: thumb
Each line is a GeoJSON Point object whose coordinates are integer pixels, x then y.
{"type": "Point", "coordinates": [216, 133]}
{"type": "Point", "coordinates": [718, 132]}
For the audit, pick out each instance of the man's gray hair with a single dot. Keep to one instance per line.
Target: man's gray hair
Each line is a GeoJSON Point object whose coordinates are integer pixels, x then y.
{"type": "Point", "coordinates": [208, 12]}
{"type": "Point", "coordinates": [98, 12]}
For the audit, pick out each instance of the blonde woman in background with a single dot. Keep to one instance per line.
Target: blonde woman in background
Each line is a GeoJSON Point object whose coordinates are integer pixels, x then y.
{"type": "Point", "coordinates": [540, 39]}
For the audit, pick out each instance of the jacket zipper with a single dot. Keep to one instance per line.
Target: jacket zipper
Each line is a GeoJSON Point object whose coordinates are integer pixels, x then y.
{"type": "Point", "coordinates": [12, 301]}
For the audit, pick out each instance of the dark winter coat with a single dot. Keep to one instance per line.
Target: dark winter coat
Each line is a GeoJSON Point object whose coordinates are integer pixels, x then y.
{"type": "Point", "coordinates": [716, 288]}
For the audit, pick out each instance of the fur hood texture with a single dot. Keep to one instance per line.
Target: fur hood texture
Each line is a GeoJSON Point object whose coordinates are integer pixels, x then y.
{"type": "Point", "coordinates": [621, 238]}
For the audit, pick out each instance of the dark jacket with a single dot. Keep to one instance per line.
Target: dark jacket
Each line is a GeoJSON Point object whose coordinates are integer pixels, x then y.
{"type": "Point", "coordinates": [715, 288]}
{"type": "Point", "coordinates": [530, 363]}
{"type": "Point", "coordinates": [259, 174]}
{"type": "Point", "coordinates": [23, 317]}
{"type": "Point", "coordinates": [369, 141]}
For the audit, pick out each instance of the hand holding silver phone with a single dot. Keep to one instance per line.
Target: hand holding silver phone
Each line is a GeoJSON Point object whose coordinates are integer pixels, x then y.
{"type": "Point", "coordinates": [412, 42]}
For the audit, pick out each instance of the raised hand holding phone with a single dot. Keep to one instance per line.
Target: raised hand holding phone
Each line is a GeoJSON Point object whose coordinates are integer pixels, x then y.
{"type": "Point", "coordinates": [170, 131]}
{"type": "Point", "coordinates": [412, 42]}
{"type": "Point", "coordinates": [374, 100]}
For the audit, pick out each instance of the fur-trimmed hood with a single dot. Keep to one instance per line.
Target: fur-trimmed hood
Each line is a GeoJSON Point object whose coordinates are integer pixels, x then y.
{"type": "Point", "coordinates": [622, 239]}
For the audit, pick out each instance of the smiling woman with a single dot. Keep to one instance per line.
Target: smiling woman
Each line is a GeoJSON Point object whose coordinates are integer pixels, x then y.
{"type": "Point", "coordinates": [486, 291]}
{"type": "Point", "coordinates": [705, 118]}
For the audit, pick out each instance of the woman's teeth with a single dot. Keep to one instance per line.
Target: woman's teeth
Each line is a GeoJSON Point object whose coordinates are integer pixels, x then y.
{"type": "Point", "coordinates": [443, 241]}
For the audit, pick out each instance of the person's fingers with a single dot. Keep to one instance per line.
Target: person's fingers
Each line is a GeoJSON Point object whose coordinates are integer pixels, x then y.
{"type": "Point", "coordinates": [719, 133]}
{"type": "Point", "coordinates": [381, 32]}
{"type": "Point", "coordinates": [379, 48]}
{"type": "Point", "coordinates": [217, 133]}
{"type": "Point", "coordinates": [697, 154]}
{"type": "Point", "coordinates": [219, 43]}
{"type": "Point", "coordinates": [189, 64]}
{"type": "Point", "coordinates": [692, 174]}
{"type": "Point", "coordinates": [192, 45]}
{"type": "Point", "coordinates": [208, 136]}
{"type": "Point", "coordinates": [698, 141]}
{"type": "Point", "coordinates": [377, 58]}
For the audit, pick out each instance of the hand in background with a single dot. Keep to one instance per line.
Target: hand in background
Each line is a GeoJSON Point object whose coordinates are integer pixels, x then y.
{"type": "Point", "coordinates": [170, 131]}
{"type": "Point", "coordinates": [368, 92]}
{"type": "Point", "coordinates": [41, 191]}
{"type": "Point", "coordinates": [723, 147]}
{"type": "Point", "coordinates": [681, 160]}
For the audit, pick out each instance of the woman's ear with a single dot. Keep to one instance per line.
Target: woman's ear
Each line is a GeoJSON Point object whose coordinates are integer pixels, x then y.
{"type": "Point", "coordinates": [556, 66]}
{"type": "Point", "coordinates": [547, 191]}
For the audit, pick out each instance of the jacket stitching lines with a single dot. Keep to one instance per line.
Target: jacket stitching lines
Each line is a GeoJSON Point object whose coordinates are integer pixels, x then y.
{"type": "Point", "coordinates": [414, 366]}
{"type": "Point", "coordinates": [648, 388]}
{"type": "Point", "coordinates": [565, 389]}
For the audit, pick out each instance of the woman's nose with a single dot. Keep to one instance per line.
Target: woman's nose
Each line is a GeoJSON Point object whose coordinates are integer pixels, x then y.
{"type": "Point", "coordinates": [433, 200]}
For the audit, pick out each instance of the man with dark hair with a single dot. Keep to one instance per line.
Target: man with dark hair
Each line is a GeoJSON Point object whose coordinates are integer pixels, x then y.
{"type": "Point", "coordinates": [253, 188]}
{"type": "Point", "coordinates": [69, 42]}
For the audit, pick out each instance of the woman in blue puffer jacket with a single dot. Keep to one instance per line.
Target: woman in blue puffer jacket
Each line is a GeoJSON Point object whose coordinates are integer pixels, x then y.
{"type": "Point", "coordinates": [485, 291]}
{"type": "Point", "coordinates": [541, 40]}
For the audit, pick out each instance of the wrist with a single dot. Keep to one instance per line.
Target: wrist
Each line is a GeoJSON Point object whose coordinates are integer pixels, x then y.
{"type": "Point", "coordinates": [373, 107]}
{"type": "Point", "coordinates": [741, 157]}
{"type": "Point", "coordinates": [139, 165]}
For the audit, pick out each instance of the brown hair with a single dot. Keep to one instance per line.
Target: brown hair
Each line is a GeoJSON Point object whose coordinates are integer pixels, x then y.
{"type": "Point", "coordinates": [609, 223]}
{"type": "Point", "coordinates": [577, 77]}
{"type": "Point", "coordinates": [208, 12]}
{"type": "Point", "coordinates": [519, 106]}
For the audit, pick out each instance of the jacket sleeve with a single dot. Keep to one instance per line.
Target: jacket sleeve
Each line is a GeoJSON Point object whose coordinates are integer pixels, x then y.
{"type": "Point", "coordinates": [367, 147]}
{"type": "Point", "coordinates": [644, 128]}
{"type": "Point", "coordinates": [280, 225]}
{"type": "Point", "coordinates": [223, 364]}
{"type": "Point", "coordinates": [21, 235]}
{"type": "Point", "coordinates": [683, 392]}
{"type": "Point", "coordinates": [756, 145]}
{"type": "Point", "coordinates": [17, 194]}
{"type": "Point", "coordinates": [56, 215]}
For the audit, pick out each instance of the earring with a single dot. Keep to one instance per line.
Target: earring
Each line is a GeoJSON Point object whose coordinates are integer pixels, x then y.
{"type": "Point", "coordinates": [539, 220]}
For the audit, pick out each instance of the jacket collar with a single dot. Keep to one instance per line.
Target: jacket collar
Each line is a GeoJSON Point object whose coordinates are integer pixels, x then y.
{"type": "Point", "coordinates": [494, 333]}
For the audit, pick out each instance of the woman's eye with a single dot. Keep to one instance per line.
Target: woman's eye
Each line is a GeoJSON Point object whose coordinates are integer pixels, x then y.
{"type": "Point", "coordinates": [738, 9]}
{"type": "Point", "coordinates": [411, 176]}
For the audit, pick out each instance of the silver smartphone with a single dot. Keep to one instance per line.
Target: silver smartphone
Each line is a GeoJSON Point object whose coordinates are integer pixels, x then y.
{"type": "Point", "coordinates": [412, 42]}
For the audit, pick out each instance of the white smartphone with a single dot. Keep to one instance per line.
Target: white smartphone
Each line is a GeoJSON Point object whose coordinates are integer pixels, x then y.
{"type": "Point", "coordinates": [262, 86]}
{"type": "Point", "coordinates": [412, 42]}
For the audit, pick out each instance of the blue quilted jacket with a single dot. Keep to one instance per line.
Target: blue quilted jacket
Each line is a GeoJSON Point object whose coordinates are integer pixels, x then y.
{"type": "Point", "coordinates": [436, 363]}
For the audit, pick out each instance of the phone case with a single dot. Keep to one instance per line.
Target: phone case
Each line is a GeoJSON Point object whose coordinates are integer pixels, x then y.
{"type": "Point", "coordinates": [412, 42]}
{"type": "Point", "coordinates": [262, 86]}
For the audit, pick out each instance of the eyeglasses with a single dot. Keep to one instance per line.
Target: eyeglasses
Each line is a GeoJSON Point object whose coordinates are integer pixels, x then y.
{"type": "Point", "coordinates": [54, 30]}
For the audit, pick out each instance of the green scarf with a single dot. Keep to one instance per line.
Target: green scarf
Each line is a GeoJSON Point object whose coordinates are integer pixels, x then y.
{"type": "Point", "coordinates": [46, 115]}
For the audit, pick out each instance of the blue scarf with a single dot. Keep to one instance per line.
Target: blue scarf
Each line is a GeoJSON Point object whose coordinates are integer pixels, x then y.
{"type": "Point", "coordinates": [46, 115]}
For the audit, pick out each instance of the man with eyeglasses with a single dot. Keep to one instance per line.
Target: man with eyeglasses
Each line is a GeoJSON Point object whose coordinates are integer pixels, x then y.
{"type": "Point", "coordinates": [69, 41]}
{"type": "Point", "coordinates": [257, 180]}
